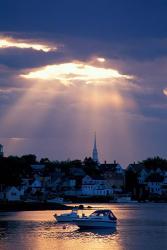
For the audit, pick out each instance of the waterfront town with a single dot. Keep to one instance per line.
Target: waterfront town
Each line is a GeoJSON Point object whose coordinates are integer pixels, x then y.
{"type": "Point", "coordinates": [83, 118]}
{"type": "Point", "coordinates": [24, 179]}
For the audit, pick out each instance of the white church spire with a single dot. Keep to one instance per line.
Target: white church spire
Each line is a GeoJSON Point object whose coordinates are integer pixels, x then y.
{"type": "Point", "coordinates": [95, 153]}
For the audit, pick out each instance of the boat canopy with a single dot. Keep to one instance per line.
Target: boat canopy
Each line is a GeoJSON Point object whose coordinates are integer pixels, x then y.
{"type": "Point", "coordinates": [104, 212]}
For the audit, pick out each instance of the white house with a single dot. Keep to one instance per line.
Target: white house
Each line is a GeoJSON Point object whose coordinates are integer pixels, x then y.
{"type": "Point", "coordinates": [95, 187]}
{"type": "Point", "coordinates": [88, 180]}
{"type": "Point", "coordinates": [46, 181]}
{"type": "Point", "coordinates": [164, 184]}
{"type": "Point", "coordinates": [25, 184]}
{"type": "Point", "coordinates": [142, 176]}
{"type": "Point", "coordinates": [56, 183]}
{"type": "Point", "coordinates": [12, 194]}
{"type": "Point", "coordinates": [154, 183]}
{"type": "Point", "coordinates": [119, 169]}
{"type": "Point", "coordinates": [165, 178]}
{"type": "Point", "coordinates": [36, 185]}
{"type": "Point", "coordinates": [154, 187]}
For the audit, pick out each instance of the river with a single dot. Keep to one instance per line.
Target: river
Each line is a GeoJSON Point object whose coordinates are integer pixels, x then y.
{"type": "Point", "coordinates": [140, 227]}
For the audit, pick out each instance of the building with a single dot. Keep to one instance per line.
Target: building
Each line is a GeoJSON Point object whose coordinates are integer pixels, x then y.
{"type": "Point", "coordinates": [154, 183]}
{"type": "Point", "coordinates": [36, 185]}
{"type": "Point", "coordinates": [1, 150]}
{"type": "Point", "coordinates": [12, 194]}
{"type": "Point", "coordinates": [149, 181]}
{"type": "Point", "coordinates": [142, 175]}
{"type": "Point", "coordinates": [95, 186]}
{"type": "Point", "coordinates": [114, 174]}
{"type": "Point", "coordinates": [95, 152]}
{"type": "Point", "coordinates": [135, 167]}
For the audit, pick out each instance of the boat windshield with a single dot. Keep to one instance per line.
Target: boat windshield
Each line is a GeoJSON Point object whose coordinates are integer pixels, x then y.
{"type": "Point", "coordinates": [102, 213]}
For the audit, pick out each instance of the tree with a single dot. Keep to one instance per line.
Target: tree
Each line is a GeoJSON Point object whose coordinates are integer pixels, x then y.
{"type": "Point", "coordinates": [91, 167]}
{"type": "Point", "coordinates": [130, 180]}
{"type": "Point", "coordinates": [12, 169]}
{"type": "Point", "coordinates": [29, 159]}
{"type": "Point", "coordinates": [155, 162]}
{"type": "Point", "coordinates": [89, 162]}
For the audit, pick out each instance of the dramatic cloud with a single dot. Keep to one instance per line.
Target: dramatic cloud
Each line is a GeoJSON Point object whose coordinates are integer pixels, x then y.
{"type": "Point", "coordinates": [101, 59]}
{"type": "Point", "coordinates": [70, 72]}
{"type": "Point", "coordinates": [165, 91]}
{"type": "Point", "coordinates": [6, 42]}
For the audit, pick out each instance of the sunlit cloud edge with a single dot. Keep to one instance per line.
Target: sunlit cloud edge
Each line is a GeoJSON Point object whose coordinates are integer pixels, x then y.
{"type": "Point", "coordinates": [75, 71]}
{"type": "Point", "coordinates": [9, 42]}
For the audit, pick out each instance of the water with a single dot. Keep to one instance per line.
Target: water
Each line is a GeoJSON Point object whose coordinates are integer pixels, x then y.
{"type": "Point", "coordinates": [140, 227]}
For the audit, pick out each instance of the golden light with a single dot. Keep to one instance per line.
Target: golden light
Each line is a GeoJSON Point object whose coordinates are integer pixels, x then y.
{"type": "Point", "coordinates": [101, 59]}
{"type": "Point", "coordinates": [165, 91]}
{"type": "Point", "coordinates": [38, 98]}
{"type": "Point", "coordinates": [25, 44]}
{"type": "Point", "coordinates": [68, 73]}
{"type": "Point", "coordinates": [100, 99]}
{"type": "Point", "coordinates": [100, 94]}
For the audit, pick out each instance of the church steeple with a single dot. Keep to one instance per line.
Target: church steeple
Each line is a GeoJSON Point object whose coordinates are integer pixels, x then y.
{"type": "Point", "coordinates": [95, 153]}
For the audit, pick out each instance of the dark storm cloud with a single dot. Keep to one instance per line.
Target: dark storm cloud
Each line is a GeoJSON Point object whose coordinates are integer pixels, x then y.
{"type": "Point", "coordinates": [107, 19]}
{"type": "Point", "coordinates": [27, 58]}
{"type": "Point", "coordinates": [114, 28]}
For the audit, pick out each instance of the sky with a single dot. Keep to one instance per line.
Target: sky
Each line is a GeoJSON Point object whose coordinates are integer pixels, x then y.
{"type": "Point", "coordinates": [71, 68]}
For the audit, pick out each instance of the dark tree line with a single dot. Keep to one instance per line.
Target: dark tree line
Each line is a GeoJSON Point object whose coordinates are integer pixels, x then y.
{"type": "Point", "coordinates": [155, 162]}
{"type": "Point", "coordinates": [13, 168]}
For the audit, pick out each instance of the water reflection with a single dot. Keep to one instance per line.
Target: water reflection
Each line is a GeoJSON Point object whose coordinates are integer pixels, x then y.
{"type": "Point", "coordinates": [98, 232]}
{"type": "Point", "coordinates": [50, 235]}
{"type": "Point", "coordinates": [139, 227]}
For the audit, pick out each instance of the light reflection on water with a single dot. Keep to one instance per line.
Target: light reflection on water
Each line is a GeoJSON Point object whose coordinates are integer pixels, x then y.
{"type": "Point", "coordinates": [140, 226]}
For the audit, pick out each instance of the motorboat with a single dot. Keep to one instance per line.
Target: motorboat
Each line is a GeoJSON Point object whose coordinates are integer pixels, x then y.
{"type": "Point", "coordinates": [67, 217]}
{"type": "Point", "coordinates": [98, 219]}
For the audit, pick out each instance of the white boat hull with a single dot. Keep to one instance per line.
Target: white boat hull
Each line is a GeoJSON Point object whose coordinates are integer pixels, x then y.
{"type": "Point", "coordinates": [66, 218]}
{"type": "Point", "coordinates": [95, 224]}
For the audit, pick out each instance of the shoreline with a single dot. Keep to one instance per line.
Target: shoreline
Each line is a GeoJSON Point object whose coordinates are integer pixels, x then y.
{"type": "Point", "coordinates": [16, 206]}
{"type": "Point", "coordinates": [13, 206]}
